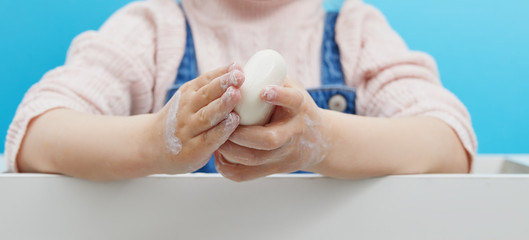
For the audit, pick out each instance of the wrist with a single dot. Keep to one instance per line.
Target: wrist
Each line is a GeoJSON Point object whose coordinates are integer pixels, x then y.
{"type": "Point", "coordinates": [326, 130]}
{"type": "Point", "coordinates": [147, 148]}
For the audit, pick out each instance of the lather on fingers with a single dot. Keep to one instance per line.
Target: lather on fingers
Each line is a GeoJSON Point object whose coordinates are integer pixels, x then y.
{"type": "Point", "coordinates": [216, 111]}
{"type": "Point", "coordinates": [207, 77]}
{"type": "Point", "coordinates": [287, 97]}
{"type": "Point", "coordinates": [218, 86]}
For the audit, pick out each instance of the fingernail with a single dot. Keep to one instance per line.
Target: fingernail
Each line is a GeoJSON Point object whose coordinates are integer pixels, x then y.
{"type": "Point", "coordinates": [233, 118]}
{"type": "Point", "coordinates": [225, 82]}
{"type": "Point", "coordinates": [269, 93]}
{"type": "Point", "coordinates": [228, 96]}
{"type": "Point", "coordinates": [236, 77]}
{"type": "Point", "coordinates": [232, 121]}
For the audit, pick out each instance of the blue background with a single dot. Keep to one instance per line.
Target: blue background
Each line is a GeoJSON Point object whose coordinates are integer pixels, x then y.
{"type": "Point", "coordinates": [480, 46]}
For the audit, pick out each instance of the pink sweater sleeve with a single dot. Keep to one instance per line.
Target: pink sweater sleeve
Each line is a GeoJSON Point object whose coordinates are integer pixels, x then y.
{"type": "Point", "coordinates": [391, 80]}
{"type": "Point", "coordinates": [122, 69]}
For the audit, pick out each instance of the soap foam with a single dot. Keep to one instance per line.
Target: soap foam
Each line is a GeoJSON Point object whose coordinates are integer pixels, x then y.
{"type": "Point", "coordinates": [269, 93]}
{"type": "Point", "coordinates": [173, 143]}
{"type": "Point", "coordinates": [232, 122]}
{"type": "Point", "coordinates": [225, 81]}
{"type": "Point", "coordinates": [313, 142]}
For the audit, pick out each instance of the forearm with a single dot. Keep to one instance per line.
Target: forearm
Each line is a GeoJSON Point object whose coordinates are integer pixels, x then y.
{"type": "Point", "coordinates": [86, 146]}
{"type": "Point", "coordinates": [367, 147]}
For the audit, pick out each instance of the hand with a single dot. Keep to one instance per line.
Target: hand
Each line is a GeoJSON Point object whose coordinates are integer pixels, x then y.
{"type": "Point", "coordinates": [197, 120]}
{"type": "Point", "coordinates": [295, 138]}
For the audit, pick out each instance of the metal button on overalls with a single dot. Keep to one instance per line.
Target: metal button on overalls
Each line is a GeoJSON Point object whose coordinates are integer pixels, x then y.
{"type": "Point", "coordinates": [338, 103]}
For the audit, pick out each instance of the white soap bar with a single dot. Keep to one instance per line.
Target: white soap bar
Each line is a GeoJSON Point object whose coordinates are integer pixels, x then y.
{"type": "Point", "coordinates": [265, 68]}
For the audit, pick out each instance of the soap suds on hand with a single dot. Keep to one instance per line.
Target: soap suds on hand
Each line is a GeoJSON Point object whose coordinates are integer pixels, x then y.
{"type": "Point", "coordinates": [173, 143]}
{"type": "Point", "coordinates": [269, 93]}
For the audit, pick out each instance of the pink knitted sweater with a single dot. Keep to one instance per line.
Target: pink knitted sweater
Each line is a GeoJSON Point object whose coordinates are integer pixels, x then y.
{"type": "Point", "coordinates": [127, 66]}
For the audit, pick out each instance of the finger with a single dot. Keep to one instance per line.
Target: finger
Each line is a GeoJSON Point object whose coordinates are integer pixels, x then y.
{"type": "Point", "coordinates": [209, 76]}
{"type": "Point", "coordinates": [216, 111]}
{"type": "Point", "coordinates": [218, 135]}
{"type": "Point", "coordinates": [287, 97]}
{"type": "Point", "coordinates": [246, 156]}
{"type": "Point", "coordinates": [217, 87]}
{"type": "Point", "coordinates": [269, 137]}
{"type": "Point", "coordinates": [239, 173]}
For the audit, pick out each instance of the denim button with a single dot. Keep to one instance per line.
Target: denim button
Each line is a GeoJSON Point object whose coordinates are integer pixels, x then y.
{"type": "Point", "coordinates": [338, 103]}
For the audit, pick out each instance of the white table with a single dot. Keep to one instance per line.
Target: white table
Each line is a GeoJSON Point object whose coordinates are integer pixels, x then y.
{"type": "Point", "coordinates": [482, 205]}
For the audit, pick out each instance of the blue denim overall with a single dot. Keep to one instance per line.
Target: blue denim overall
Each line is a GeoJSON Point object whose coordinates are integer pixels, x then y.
{"type": "Point", "coordinates": [333, 93]}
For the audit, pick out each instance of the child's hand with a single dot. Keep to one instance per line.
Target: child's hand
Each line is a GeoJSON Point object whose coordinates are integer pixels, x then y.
{"type": "Point", "coordinates": [293, 140]}
{"type": "Point", "coordinates": [197, 120]}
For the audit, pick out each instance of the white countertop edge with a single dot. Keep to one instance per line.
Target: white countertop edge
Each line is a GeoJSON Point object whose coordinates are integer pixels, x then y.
{"type": "Point", "coordinates": [297, 176]}
{"type": "Point", "coordinates": [522, 159]}
{"type": "Point", "coordinates": [189, 175]}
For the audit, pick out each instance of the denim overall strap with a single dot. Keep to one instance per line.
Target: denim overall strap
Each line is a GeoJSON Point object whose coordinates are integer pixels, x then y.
{"type": "Point", "coordinates": [333, 93]}
{"type": "Point", "coordinates": [331, 67]}
{"type": "Point", "coordinates": [188, 69]}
